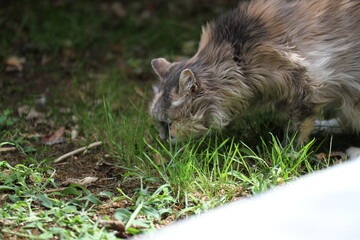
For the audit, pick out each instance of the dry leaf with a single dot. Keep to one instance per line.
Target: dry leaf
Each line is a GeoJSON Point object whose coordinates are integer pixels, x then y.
{"type": "Point", "coordinates": [83, 182]}
{"type": "Point", "coordinates": [14, 63]}
{"type": "Point", "coordinates": [23, 110]}
{"type": "Point", "coordinates": [30, 113]}
{"type": "Point", "coordinates": [88, 180]}
{"type": "Point", "coordinates": [54, 138]}
{"type": "Point", "coordinates": [33, 114]}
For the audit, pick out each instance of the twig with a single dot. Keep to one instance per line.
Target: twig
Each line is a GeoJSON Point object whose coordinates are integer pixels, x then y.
{"type": "Point", "coordinates": [55, 190]}
{"type": "Point", "coordinates": [77, 151]}
{"type": "Point", "coordinates": [7, 149]}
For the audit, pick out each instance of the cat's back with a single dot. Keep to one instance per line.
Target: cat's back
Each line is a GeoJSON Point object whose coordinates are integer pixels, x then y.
{"type": "Point", "coordinates": [306, 18]}
{"type": "Point", "coordinates": [325, 34]}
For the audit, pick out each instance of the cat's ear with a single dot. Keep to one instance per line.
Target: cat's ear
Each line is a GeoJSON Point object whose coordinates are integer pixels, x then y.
{"type": "Point", "coordinates": [187, 82]}
{"type": "Point", "coordinates": [160, 66]}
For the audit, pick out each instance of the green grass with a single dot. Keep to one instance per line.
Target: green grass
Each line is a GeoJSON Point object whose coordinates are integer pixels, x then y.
{"type": "Point", "coordinates": [30, 207]}
{"type": "Point", "coordinates": [108, 92]}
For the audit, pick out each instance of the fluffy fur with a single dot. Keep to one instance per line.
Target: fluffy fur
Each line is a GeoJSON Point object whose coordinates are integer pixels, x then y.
{"type": "Point", "coordinates": [295, 57]}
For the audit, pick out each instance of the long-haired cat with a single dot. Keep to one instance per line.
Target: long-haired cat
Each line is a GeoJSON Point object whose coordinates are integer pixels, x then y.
{"type": "Point", "coordinates": [295, 57]}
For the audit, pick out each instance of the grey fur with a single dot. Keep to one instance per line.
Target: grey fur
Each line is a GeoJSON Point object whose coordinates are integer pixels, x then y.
{"type": "Point", "coordinates": [295, 57]}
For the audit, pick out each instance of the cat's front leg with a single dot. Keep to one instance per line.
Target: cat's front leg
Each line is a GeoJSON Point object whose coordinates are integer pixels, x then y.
{"type": "Point", "coordinates": [304, 130]}
{"type": "Point", "coordinates": [303, 119]}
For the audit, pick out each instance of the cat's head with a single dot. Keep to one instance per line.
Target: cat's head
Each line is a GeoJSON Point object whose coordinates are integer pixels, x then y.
{"type": "Point", "coordinates": [181, 105]}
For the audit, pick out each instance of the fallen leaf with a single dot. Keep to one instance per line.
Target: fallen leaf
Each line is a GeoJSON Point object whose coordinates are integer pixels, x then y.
{"type": "Point", "coordinates": [33, 114]}
{"type": "Point", "coordinates": [23, 110]}
{"type": "Point", "coordinates": [54, 138]}
{"type": "Point", "coordinates": [14, 63]}
{"type": "Point", "coordinates": [88, 180]}
{"type": "Point", "coordinates": [83, 182]}
{"type": "Point", "coordinates": [30, 113]}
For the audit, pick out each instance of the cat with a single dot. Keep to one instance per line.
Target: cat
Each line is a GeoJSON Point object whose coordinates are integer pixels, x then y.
{"type": "Point", "coordinates": [293, 57]}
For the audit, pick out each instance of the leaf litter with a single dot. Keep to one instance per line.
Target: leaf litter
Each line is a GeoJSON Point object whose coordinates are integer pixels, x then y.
{"type": "Point", "coordinates": [86, 181]}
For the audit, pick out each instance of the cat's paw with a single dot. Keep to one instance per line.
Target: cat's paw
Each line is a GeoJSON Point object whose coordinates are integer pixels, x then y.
{"type": "Point", "coordinates": [353, 152]}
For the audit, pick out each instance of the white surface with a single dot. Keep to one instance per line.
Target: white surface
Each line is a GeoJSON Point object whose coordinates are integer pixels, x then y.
{"type": "Point", "coordinates": [323, 205]}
